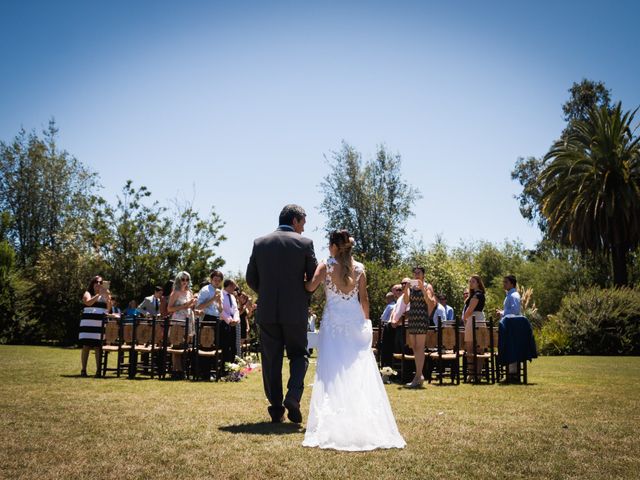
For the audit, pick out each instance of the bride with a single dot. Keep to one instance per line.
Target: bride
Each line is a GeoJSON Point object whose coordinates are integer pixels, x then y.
{"type": "Point", "coordinates": [349, 405]}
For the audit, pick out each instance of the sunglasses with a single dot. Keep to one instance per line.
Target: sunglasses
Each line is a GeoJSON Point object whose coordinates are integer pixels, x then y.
{"type": "Point", "coordinates": [184, 279]}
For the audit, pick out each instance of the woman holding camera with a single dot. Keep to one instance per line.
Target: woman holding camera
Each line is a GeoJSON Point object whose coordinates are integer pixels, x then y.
{"type": "Point", "coordinates": [422, 303]}
{"type": "Point", "coordinates": [97, 303]}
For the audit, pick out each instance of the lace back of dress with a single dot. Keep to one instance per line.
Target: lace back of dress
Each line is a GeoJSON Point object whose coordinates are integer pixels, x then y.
{"type": "Point", "coordinates": [332, 287]}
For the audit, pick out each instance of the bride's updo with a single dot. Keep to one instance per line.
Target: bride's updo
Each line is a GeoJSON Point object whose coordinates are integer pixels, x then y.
{"type": "Point", "coordinates": [345, 243]}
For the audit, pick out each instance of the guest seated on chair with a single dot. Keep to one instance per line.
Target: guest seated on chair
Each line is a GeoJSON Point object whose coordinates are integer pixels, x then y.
{"type": "Point", "coordinates": [450, 314]}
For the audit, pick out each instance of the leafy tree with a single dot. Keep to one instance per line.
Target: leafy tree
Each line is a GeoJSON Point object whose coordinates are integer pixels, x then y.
{"type": "Point", "coordinates": [591, 187]}
{"type": "Point", "coordinates": [371, 200]}
{"type": "Point", "coordinates": [62, 274]}
{"type": "Point", "coordinates": [145, 244]}
{"type": "Point", "coordinates": [42, 187]}
{"type": "Point", "coordinates": [582, 97]}
{"type": "Point", "coordinates": [15, 292]}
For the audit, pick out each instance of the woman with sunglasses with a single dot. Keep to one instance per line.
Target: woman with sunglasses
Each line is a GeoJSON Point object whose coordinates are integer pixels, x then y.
{"type": "Point", "coordinates": [97, 302]}
{"type": "Point", "coordinates": [181, 304]}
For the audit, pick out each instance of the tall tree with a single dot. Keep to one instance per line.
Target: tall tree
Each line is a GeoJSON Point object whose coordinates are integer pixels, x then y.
{"type": "Point", "coordinates": [42, 187]}
{"type": "Point", "coordinates": [144, 244]}
{"type": "Point", "coordinates": [590, 186]}
{"type": "Point", "coordinates": [583, 96]}
{"type": "Point", "coordinates": [370, 199]}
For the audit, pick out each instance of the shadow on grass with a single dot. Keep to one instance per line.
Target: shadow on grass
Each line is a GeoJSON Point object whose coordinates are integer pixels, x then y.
{"type": "Point", "coordinates": [263, 428]}
{"type": "Point", "coordinates": [109, 377]}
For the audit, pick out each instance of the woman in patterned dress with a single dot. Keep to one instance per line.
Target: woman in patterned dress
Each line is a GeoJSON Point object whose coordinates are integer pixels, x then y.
{"type": "Point", "coordinates": [422, 300]}
{"type": "Point", "coordinates": [97, 302]}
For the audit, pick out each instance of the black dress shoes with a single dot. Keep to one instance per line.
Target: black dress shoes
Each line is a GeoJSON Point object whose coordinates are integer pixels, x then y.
{"type": "Point", "coordinates": [293, 410]}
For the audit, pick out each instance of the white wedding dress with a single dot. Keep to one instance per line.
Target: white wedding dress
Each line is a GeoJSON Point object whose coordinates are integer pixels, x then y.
{"type": "Point", "coordinates": [349, 405]}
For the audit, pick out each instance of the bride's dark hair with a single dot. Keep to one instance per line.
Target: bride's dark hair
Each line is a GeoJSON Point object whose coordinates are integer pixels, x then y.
{"type": "Point", "coordinates": [344, 242]}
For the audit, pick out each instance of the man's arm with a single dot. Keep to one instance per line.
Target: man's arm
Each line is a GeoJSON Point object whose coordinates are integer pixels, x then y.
{"type": "Point", "coordinates": [310, 262]}
{"type": "Point", "coordinates": [144, 307]}
{"type": "Point", "coordinates": [252, 277]}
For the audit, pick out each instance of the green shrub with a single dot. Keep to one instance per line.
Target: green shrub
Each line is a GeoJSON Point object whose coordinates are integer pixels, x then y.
{"type": "Point", "coordinates": [595, 321]}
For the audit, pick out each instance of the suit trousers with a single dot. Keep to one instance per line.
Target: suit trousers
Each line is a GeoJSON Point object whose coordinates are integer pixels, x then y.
{"type": "Point", "coordinates": [388, 344]}
{"type": "Point", "coordinates": [274, 339]}
{"type": "Point", "coordinates": [228, 341]}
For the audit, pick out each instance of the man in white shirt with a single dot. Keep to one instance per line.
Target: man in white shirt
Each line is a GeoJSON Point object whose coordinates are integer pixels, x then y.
{"type": "Point", "coordinates": [450, 315]}
{"type": "Point", "coordinates": [210, 297]}
{"type": "Point", "coordinates": [210, 301]}
{"type": "Point", "coordinates": [230, 316]}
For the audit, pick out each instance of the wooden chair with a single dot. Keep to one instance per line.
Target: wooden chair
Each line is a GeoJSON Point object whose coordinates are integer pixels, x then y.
{"type": "Point", "coordinates": [447, 353]}
{"type": "Point", "coordinates": [375, 343]}
{"type": "Point", "coordinates": [126, 354]}
{"type": "Point", "coordinates": [110, 343]}
{"type": "Point", "coordinates": [178, 342]}
{"type": "Point", "coordinates": [145, 345]}
{"type": "Point", "coordinates": [402, 361]}
{"type": "Point", "coordinates": [483, 351]}
{"type": "Point", "coordinates": [206, 348]}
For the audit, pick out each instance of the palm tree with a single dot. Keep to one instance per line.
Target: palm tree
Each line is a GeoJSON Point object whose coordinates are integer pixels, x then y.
{"type": "Point", "coordinates": [591, 186]}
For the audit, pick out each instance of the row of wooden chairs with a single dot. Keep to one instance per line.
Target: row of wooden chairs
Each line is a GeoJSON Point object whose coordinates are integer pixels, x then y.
{"type": "Point", "coordinates": [146, 345]}
{"type": "Point", "coordinates": [446, 354]}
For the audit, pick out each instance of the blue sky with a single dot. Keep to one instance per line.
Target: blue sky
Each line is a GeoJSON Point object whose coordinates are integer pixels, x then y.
{"type": "Point", "coordinates": [235, 104]}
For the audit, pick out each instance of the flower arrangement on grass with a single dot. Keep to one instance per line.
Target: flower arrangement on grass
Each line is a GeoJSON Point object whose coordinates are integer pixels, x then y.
{"type": "Point", "coordinates": [386, 373]}
{"type": "Point", "coordinates": [241, 367]}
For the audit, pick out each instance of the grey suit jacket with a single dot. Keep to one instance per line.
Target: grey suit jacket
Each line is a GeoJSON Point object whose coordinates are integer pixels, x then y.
{"type": "Point", "coordinates": [276, 270]}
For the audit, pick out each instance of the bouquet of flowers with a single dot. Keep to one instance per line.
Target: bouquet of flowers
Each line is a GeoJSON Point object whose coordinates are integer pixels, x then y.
{"type": "Point", "coordinates": [241, 367]}
{"type": "Point", "coordinates": [387, 372]}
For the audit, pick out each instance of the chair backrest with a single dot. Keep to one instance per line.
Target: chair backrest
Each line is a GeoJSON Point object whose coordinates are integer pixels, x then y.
{"type": "Point", "coordinates": [431, 342]}
{"type": "Point", "coordinates": [449, 338]}
{"type": "Point", "coordinates": [176, 334]}
{"type": "Point", "coordinates": [482, 337]}
{"type": "Point", "coordinates": [206, 337]}
{"type": "Point", "coordinates": [111, 331]}
{"type": "Point", "coordinates": [461, 339]}
{"type": "Point", "coordinates": [159, 334]}
{"type": "Point", "coordinates": [495, 337]}
{"type": "Point", "coordinates": [127, 333]}
{"type": "Point", "coordinates": [375, 338]}
{"type": "Point", "coordinates": [143, 334]}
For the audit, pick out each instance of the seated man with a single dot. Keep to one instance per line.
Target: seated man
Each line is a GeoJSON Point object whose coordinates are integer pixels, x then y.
{"type": "Point", "coordinates": [449, 313]}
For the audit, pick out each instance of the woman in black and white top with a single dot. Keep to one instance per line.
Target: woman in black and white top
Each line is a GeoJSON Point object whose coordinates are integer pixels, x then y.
{"type": "Point", "coordinates": [473, 308]}
{"type": "Point", "coordinates": [97, 303]}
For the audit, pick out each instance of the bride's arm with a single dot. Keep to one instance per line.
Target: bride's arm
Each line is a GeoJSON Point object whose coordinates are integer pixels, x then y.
{"type": "Point", "coordinates": [318, 278]}
{"type": "Point", "coordinates": [364, 295]}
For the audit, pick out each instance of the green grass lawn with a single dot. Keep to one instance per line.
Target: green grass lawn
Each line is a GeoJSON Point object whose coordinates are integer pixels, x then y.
{"type": "Point", "coordinates": [578, 419]}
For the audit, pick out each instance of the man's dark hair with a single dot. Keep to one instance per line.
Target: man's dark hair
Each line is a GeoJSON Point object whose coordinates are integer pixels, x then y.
{"type": "Point", "coordinates": [158, 289]}
{"type": "Point", "coordinates": [289, 212]}
{"type": "Point", "coordinates": [442, 296]}
{"type": "Point", "coordinates": [512, 279]}
{"type": "Point", "coordinates": [216, 273]}
{"type": "Point", "coordinates": [418, 267]}
{"type": "Point", "coordinates": [228, 282]}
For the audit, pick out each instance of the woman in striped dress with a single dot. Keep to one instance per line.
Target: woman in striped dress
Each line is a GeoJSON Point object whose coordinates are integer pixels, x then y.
{"type": "Point", "coordinates": [97, 302]}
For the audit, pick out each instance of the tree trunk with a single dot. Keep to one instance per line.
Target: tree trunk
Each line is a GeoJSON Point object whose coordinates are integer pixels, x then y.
{"type": "Point", "coordinates": [620, 273]}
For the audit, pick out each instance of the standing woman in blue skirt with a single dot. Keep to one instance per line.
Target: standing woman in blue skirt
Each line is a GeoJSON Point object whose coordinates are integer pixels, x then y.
{"type": "Point", "coordinates": [97, 302]}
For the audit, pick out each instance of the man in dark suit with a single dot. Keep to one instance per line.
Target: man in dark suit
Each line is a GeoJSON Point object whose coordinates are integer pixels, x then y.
{"type": "Point", "coordinates": [279, 264]}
